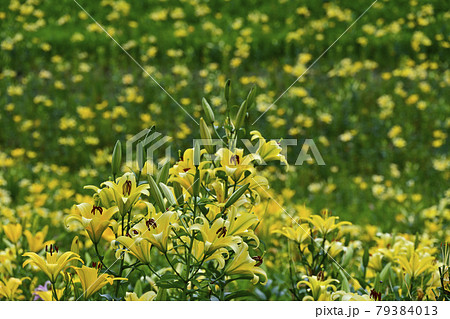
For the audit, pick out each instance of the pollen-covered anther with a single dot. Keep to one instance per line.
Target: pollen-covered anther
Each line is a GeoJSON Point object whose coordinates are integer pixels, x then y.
{"type": "Point", "coordinates": [222, 231]}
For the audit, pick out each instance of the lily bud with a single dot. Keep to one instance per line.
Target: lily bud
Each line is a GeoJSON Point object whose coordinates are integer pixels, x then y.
{"type": "Point", "coordinates": [140, 156]}
{"type": "Point", "coordinates": [240, 116]}
{"type": "Point", "coordinates": [156, 194]}
{"type": "Point", "coordinates": [116, 158]}
{"type": "Point", "coordinates": [163, 174]}
{"type": "Point", "coordinates": [236, 195]}
{"type": "Point", "coordinates": [209, 114]}
{"type": "Point", "coordinates": [196, 153]}
{"type": "Point", "coordinates": [227, 90]}
{"type": "Point", "coordinates": [206, 135]}
{"type": "Point", "coordinates": [251, 97]}
{"type": "Point", "coordinates": [178, 192]}
{"type": "Point", "coordinates": [168, 194]}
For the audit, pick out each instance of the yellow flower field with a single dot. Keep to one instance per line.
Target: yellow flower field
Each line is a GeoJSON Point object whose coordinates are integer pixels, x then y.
{"type": "Point", "coordinates": [224, 150]}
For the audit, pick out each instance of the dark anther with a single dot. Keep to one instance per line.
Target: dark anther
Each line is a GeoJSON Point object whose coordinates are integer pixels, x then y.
{"type": "Point", "coordinates": [94, 208]}
{"type": "Point", "coordinates": [56, 249]}
{"type": "Point", "coordinates": [128, 235]}
{"type": "Point", "coordinates": [151, 223]}
{"type": "Point", "coordinates": [375, 295]}
{"type": "Point", "coordinates": [186, 169]}
{"type": "Point", "coordinates": [126, 188]}
{"type": "Point", "coordinates": [135, 232]}
{"type": "Point", "coordinates": [234, 159]}
{"type": "Point", "coordinates": [320, 276]}
{"type": "Point", "coordinates": [222, 231]}
{"type": "Point", "coordinates": [259, 260]}
{"type": "Point", "coordinates": [94, 264]}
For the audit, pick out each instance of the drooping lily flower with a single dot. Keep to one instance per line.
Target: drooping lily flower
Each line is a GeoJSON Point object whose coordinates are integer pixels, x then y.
{"type": "Point", "coordinates": [91, 281]}
{"type": "Point", "coordinates": [13, 232]}
{"type": "Point", "coordinates": [36, 242]}
{"type": "Point", "coordinates": [243, 264]}
{"type": "Point", "coordinates": [126, 192]}
{"type": "Point", "coordinates": [54, 262]}
{"type": "Point", "coordinates": [94, 219]}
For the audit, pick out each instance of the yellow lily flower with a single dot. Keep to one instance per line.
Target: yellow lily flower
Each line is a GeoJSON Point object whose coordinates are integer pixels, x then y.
{"type": "Point", "coordinates": [349, 296]}
{"type": "Point", "coordinates": [13, 232]}
{"type": "Point", "coordinates": [36, 242]}
{"type": "Point", "coordinates": [9, 289]}
{"type": "Point", "coordinates": [318, 288]}
{"type": "Point", "coordinates": [184, 170]}
{"type": "Point", "coordinates": [233, 164]}
{"type": "Point", "coordinates": [216, 236]}
{"type": "Point", "coordinates": [156, 230]}
{"type": "Point", "coordinates": [199, 252]}
{"type": "Point", "coordinates": [48, 295]}
{"type": "Point", "coordinates": [148, 296]}
{"type": "Point", "coordinates": [267, 151]}
{"type": "Point", "coordinates": [137, 246]}
{"type": "Point", "coordinates": [91, 282]}
{"type": "Point", "coordinates": [54, 262]}
{"type": "Point", "coordinates": [327, 224]}
{"type": "Point", "coordinates": [299, 234]}
{"type": "Point", "coordinates": [126, 193]}
{"type": "Point", "coordinates": [106, 195]}
{"type": "Point", "coordinates": [243, 264]}
{"type": "Point", "coordinates": [94, 219]}
{"type": "Point", "coordinates": [416, 264]}
{"type": "Point", "coordinates": [238, 224]}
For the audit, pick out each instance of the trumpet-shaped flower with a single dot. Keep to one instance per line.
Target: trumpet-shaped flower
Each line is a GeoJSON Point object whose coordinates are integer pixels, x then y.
{"type": "Point", "coordinates": [243, 264]}
{"type": "Point", "coordinates": [36, 242]}
{"type": "Point", "coordinates": [94, 219]}
{"type": "Point", "coordinates": [91, 281]}
{"type": "Point", "coordinates": [13, 232]}
{"type": "Point", "coordinates": [54, 262]}
{"type": "Point", "coordinates": [126, 192]}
